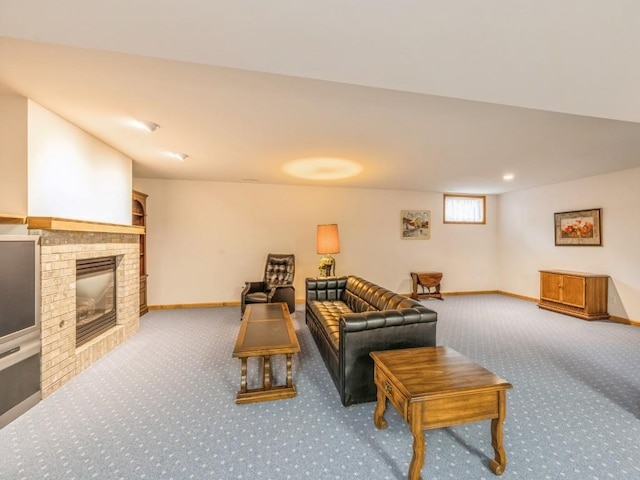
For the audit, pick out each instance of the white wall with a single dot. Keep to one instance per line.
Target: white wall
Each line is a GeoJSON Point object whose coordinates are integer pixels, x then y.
{"type": "Point", "coordinates": [205, 239]}
{"type": "Point", "coordinates": [526, 239]}
{"type": "Point", "coordinates": [13, 155]}
{"type": "Point", "coordinates": [73, 174]}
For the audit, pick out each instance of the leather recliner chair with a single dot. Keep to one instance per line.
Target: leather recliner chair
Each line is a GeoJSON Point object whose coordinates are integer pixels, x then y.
{"type": "Point", "coordinates": [277, 285]}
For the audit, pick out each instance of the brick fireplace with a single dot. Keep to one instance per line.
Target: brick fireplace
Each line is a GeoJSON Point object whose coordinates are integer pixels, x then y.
{"type": "Point", "coordinates": [61, 359]}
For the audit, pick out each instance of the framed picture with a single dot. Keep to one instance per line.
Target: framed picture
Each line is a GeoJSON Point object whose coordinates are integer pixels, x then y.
{"type": "Point", "coordinates": [416, 224]}
{"type": "Point", "coordinates": [581, 227]}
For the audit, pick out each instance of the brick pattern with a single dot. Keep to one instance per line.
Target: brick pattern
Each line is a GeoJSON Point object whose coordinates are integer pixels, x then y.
{"type": "Point", "coordinates": [59, 251]}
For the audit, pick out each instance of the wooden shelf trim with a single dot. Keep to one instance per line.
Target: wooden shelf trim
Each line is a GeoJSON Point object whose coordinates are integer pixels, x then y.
{"type": "Point", "coordinates": [52, 223]}
{"type": "Point", "coordinates": [8, 219]}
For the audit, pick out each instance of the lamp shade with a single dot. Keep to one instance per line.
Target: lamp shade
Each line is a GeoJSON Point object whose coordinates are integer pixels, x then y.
{"type": "Point", "coordinates": [328, 239]}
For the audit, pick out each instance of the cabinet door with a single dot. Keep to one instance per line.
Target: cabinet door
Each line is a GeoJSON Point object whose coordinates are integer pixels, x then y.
{"type": "Point", "coordinates": [550, 286]}
{"type": "Point", "coordinates": [573, 290]}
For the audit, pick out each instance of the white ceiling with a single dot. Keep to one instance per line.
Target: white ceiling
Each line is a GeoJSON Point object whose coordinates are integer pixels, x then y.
{"type": "Point", "coordinates": [427, 95]}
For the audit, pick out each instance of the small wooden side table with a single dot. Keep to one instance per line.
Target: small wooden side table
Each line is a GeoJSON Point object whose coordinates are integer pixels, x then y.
{"type": "Point", "coordinates": [436, 387]}
{"type": "Point", "coordinates": [429, 281]}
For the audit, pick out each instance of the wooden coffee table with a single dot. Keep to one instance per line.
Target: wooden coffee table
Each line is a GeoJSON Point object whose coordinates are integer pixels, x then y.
{"type": "Point", "coordinates": [435, 387]}
{"type": "Point", "coordinates": [266, 330]}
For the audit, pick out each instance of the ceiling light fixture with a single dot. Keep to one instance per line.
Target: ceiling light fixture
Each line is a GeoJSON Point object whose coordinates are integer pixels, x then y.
{"type": "Point", "coordinates": [323, 168]}
{"type": "Point", "coordinates": [146, 125]}
{"type": "Point", "coordinates": [508, 176]}
{"type": "Point", "coordinates": [179, 156]}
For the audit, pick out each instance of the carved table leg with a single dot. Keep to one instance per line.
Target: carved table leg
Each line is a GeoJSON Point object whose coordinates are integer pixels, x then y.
{"type": "Point", "coordinates": [415, 422]}
{"type": "Point", "coordinates": [381, 405]}
{"type": "Point", "coordinates": [243, 376]}
{"type": "Point", "coordinates": [266, 372]}
{"type": "Point", "coordinates": [414, 284]}
{"type": "Point", "coordinates": [289, 371]}
{"type": "Point", "coordinates": [499, 463]}
{"type": "Point", "coordinates": [437, 293]}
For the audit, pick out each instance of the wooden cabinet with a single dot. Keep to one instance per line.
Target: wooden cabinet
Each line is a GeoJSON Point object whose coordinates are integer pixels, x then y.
{"type": "Point", "coordinates": [582, 295]}
{"type": "Point", "coordinates": [139, 218]}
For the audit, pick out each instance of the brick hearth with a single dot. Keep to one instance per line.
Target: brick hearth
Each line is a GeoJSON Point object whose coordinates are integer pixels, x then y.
{"type": "Point", "coordinates": [61, 360]}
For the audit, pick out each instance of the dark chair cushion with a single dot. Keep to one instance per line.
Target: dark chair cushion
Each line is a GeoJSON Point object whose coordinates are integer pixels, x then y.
{"type": "Point", "coordinates": [256, 297]}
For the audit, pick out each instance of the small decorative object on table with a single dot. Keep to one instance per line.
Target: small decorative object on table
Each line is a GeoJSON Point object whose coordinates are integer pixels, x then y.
{"type": "Point", "coordinates": [429, 281]}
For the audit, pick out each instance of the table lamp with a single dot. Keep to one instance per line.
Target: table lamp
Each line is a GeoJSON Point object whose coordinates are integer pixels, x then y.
{"type": "Point", "coordinates": [328, 242]}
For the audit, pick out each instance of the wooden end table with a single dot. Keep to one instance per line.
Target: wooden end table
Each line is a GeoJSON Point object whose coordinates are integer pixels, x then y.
{"type": "Point", "coordinates": [435, 387]}
{"type": "Point", "coordinates": [429, 283]}
{"type": "Point", "coordinates": [266, 330]}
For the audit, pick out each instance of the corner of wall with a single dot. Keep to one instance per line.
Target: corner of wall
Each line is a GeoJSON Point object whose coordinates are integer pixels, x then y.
{"type": "Point", "coordinates": [13, 155]}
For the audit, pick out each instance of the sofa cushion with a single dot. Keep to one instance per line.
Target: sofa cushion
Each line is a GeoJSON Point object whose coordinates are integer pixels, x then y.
{"type": "Point", "coordinates": [328, 314]}
{"type": "Point", "coordinates": [256, 297]}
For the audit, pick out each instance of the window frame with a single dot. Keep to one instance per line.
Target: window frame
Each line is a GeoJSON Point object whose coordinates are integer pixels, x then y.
{"type": "Point", "coordinates": [482, 198]}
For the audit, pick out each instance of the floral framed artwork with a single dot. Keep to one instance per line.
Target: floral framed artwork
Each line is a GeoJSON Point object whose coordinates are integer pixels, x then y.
{"type": "Point", "coordinates": [581, 227]}
{"type": "Point", "coordinates": [416, 224]}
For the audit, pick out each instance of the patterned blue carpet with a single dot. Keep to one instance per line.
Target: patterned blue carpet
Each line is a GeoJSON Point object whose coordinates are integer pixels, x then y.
{"type": "Point", "coordinates": [161, 406]}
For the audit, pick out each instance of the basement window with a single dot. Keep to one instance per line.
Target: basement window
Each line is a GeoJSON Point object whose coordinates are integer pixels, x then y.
{"type": "Point", "coordinates": [465, 209]}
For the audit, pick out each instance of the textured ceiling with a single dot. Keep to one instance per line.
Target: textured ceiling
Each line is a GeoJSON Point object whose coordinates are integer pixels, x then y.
{"type": "Point", "coordinates": [425, 95]}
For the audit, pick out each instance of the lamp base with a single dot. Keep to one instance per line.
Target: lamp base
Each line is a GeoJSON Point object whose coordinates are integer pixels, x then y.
{"type": "Point", "coordinates": [327, 264]}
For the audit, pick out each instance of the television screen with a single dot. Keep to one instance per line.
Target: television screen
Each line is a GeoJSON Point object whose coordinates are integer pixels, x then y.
{"type": "Point", "coordinates": [19, 267]}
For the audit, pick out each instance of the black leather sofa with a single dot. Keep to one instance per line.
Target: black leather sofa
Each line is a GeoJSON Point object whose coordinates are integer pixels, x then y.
{"type": "Point", "coordinates": [350, 317]}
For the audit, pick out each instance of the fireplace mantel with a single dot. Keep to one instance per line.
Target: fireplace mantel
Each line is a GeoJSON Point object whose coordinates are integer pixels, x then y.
{"type": "Point", "coordinates": [8, 219]}
{"type": "Point", "coordinates": [65, 224]}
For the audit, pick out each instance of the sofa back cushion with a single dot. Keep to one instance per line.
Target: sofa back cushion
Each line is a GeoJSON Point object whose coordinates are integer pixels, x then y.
{"type": "Point", "coordinates": [363, 296]}
{"type": "Point", "coordinates": [325, 288]}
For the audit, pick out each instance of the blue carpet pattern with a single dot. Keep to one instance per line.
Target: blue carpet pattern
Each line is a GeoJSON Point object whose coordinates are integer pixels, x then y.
{"type": "Point", "coordinates": [161, 406]}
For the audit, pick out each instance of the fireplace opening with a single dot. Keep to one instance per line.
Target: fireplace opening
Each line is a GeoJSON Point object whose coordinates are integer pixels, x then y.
{"type": "Point", "coordinates": [95, 297]}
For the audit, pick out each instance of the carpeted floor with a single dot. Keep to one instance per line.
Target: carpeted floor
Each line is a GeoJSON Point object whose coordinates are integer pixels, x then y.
{"type": "Point", "coordinates": [162, 406]}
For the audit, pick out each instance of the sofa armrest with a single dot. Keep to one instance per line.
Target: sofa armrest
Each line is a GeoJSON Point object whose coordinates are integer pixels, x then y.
{"type": "Point", "coordinates": [277, 290]}
{"type": "Point", "coordinates": [252, 287]}
{"type": "Point", "coordinates": [366, 332]}
{"type": "Point", "coordinates": [283, 293]}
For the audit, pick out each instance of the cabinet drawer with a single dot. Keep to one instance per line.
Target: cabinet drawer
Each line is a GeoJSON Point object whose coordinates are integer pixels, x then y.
{"type": "Point", "coordinates": [392, 392]}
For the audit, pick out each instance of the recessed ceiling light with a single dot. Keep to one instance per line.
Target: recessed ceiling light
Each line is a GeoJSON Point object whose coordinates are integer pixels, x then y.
{"type": "Point", "coordinates": [179, 156]}
{"type": "Point", "coordinates": [146, 125]}
{"type": "Point", "coordinates": [322, 168]}
{"type": "Point", "coordinates": [508, 176]}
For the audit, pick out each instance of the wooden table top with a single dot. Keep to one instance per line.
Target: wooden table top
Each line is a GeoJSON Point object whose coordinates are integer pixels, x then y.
{"type": "Point", "coordinates": [433, 372]}
{"type": "Point", "coordinates": [426, 279]}
{"type": "Point", "coordinates": [266, 329]}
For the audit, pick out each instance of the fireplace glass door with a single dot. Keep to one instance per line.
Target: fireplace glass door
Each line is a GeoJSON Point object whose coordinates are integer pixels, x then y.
{"type": "Point", "coordinates": [95, 297]}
